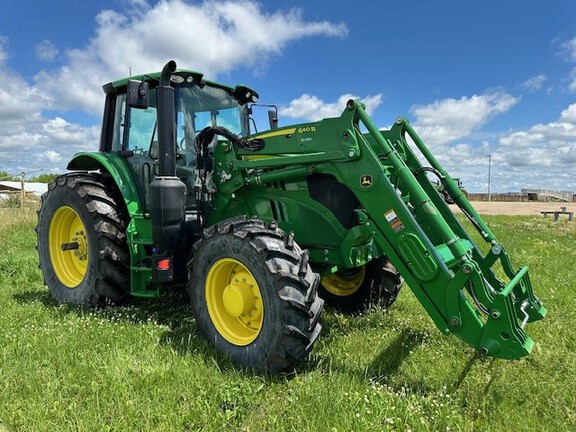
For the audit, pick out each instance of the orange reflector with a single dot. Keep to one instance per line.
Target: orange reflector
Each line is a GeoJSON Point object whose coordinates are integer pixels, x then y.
{"type": "Point", "coordinates": [163, 264]}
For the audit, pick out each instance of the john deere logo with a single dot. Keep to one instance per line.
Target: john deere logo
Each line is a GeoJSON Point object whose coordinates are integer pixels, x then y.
{"type": "Point", "coordinates": [366, 181]}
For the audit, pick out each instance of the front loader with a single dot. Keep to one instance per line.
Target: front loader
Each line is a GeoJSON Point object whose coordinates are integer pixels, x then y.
{"type": "Point", "coordinates": [264, 227]}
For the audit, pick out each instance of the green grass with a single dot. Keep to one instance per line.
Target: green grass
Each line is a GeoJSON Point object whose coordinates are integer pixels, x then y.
{"type": "Point", "coordinates": [145, 368]}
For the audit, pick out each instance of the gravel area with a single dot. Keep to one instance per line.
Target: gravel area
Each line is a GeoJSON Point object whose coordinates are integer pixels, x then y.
{"type": "Point", "coordinates": [518, 208]}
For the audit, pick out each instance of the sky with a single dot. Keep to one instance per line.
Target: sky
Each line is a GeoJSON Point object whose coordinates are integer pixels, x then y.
{"type": "Point", "coordinates": [486, 84]}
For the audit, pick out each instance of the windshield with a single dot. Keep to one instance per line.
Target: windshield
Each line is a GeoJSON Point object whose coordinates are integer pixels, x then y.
{"type": "Point", "coordinates": [208, 106]}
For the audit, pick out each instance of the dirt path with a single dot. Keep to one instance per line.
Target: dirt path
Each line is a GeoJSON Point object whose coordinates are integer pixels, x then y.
{"type": "Point", "coordinates": [517, 208]}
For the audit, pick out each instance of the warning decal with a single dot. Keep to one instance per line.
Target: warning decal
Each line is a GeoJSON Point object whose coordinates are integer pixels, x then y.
{"type": "Point", "coordinates": [393, 220]}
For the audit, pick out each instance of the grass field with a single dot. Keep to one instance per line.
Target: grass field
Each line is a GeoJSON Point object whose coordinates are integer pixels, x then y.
{"type": "Point", "coordinates": [144, 368]}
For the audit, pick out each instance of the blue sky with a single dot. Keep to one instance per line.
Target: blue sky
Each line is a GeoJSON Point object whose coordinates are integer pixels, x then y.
{"type": "Point", "coordinates": [474, 78]}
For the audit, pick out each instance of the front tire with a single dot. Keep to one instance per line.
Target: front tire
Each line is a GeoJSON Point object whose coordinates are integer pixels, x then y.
{"type": "Point", "coordinates": [375, 284]}
{"type": "Point", "coordinates": [81, 242]}
{"type": "Point", "coordinates": [254, 295]}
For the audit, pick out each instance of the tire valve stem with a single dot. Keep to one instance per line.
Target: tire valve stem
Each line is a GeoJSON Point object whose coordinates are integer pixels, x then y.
{"type": "Point", "coordinates": [69, 246]}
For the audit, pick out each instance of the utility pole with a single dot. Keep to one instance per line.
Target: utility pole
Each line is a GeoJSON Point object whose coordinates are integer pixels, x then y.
{"type": "Point", "coordinates": [489, 168]}
{"type": "Point", "coordinates": [22, 192]}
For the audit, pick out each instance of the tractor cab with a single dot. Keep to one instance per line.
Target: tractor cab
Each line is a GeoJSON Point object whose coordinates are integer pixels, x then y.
{"type": "Point", "coordinates": [198, 104]}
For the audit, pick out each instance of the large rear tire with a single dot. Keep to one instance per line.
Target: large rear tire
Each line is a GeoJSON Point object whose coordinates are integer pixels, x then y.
{"type": "Point", "coordinates": [254, 295]}
{"type": "Point", "coordinates": [81, 241]}
{"type": "Point", "coordinates": [356, 290]}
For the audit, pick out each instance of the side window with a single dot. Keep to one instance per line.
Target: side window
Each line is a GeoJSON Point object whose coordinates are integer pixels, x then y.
{"type": "Point", "coordinates": [185, 136]}
{"type": "Point", "coordinates": [142, 126]}
{"type": "Point", "coordinates": [118, 132]}
{"type": "Point", "coordinates": [142, 129]}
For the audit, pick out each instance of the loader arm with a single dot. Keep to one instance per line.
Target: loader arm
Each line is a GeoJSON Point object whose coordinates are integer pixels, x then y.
{"type": "Point", "coordinates": [399, 215]}
{"type": "Point", "coordinates": [452, 279]}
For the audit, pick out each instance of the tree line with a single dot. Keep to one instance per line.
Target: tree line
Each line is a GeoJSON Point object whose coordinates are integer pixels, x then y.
{"type": "Point", "coordinates": [42, 178]}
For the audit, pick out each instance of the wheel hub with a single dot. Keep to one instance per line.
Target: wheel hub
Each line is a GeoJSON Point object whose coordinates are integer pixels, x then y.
{"type": "Point", "coordinates": [238, 297]}
{"type": "Point", "coordinates": [68, 246]}
{"type": "Point", "coordinates": [81, 252]}
{"type": "Point", "coordinates": [234, 301]}
{"type": "Point", "coordinates": [344, 283]}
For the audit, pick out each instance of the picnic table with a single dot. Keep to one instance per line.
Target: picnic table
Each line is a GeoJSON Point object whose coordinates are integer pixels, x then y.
{"type": "Point", "coordinates": [557, 213]}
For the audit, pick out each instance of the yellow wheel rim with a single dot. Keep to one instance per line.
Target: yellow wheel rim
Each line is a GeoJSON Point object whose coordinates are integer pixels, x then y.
{"type": "Point", "coordinates": [344, 284]}
{"type": "Point", "coordinates": [68, 246]}
{"type": "Point", "coordinates": [234, 301]}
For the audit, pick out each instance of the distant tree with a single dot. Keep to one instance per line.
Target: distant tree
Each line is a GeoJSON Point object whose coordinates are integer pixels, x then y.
{"type": "Point", "coordinates": [43, 178]}
{"type": "Point", "coordinates": [4, 176]}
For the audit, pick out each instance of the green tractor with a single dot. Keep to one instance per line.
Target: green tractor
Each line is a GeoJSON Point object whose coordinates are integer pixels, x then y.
{"type": "Point", "coordinates": [441, 189]}
{"type": "Point", "coordinates": [264, 227]}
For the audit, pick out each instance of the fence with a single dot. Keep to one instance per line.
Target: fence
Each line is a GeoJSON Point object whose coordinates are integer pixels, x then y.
{"type": "Point", "coordinates": [21, 194]}
{"type": "Point", "coordinates": [519, 197]}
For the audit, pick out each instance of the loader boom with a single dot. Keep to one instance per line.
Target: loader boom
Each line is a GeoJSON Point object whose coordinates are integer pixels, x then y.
{"type": "Point", "coordinates": [401, 216]}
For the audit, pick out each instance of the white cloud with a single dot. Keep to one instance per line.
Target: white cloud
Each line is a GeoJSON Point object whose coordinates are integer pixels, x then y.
{"type": "Point", "coordinates": [568, 115]}
{"type": "Point", "coordinates": [541, 156]}
{"type": "Point", "coordinates": [28, 140]}
{"type": "Point", "coordinates": [535, 83]}
{"type": "Point", "coordinates": [568, 50]}
{"type": "Point", "coordinates": [451, 119]}
{"type": "Point", "coordinates": [50, 155]}
{"type": "Point", "coordinates": [213, 37]}
{"type": "Point", "coordinates": [312, 108]}
{"type": "Point", "coordinates": [572, 81]}
{"type": "Point", "coordinates": [3, 54]}
{"type": "Point", "coordinates": [20, 103]}
{"type": "Point", "coordinates": [46, 50]}
{"type": "Point", "coordinates": [568, 53]}
{"type": "Point", "coordinates": [551, 145]}
{"type": "Point", "coordinates": [45, 143]}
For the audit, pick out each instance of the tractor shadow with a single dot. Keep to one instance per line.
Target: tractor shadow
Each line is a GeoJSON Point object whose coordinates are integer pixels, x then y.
{"type": "Point", "coordinates": [389, 361]}
{"type": "Point", "coordinates": [171, 311]}
{"type": "Point", "coordinates": [30, 297]}
{"type": "Point", "coordinates": [387, 365]}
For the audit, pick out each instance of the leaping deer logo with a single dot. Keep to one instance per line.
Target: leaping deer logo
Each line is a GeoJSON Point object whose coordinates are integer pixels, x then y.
{"type": "Point", "coordinates": [366, 181]}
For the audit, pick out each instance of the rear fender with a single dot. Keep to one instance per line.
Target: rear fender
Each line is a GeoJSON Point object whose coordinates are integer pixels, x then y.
{"type": "Point", "coordinates": [117, 167]}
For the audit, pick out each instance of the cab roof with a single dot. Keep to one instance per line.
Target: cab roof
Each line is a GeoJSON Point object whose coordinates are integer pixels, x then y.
{"type": "Point", "coordinates": [186, 76]}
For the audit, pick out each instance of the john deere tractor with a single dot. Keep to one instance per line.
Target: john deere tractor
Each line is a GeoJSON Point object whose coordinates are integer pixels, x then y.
{"type": "Point", "coordinates": [263, 227]}
{"type": "Point", "coordinates": [441, 189]}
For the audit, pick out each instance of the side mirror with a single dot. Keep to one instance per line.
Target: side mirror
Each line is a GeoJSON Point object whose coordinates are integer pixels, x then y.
{"type": "Point", "coordinates": [138, 94]}
{"type": "Point", "coordinates": [273, 119]}
{"type": "Point", "coordinates": [153, 150]}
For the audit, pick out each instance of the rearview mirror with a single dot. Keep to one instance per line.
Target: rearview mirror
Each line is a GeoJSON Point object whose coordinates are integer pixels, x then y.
{"type": "Point", "coordinates": [138, 94]}
{"type": "Point", "coordinates": [273, 119]}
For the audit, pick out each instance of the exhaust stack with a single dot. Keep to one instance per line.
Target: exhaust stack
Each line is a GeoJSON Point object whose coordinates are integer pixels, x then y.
{"type": "Point", "coordinates": [166, 123]}
{"type": "Point", "coordinates": [167, 192]}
